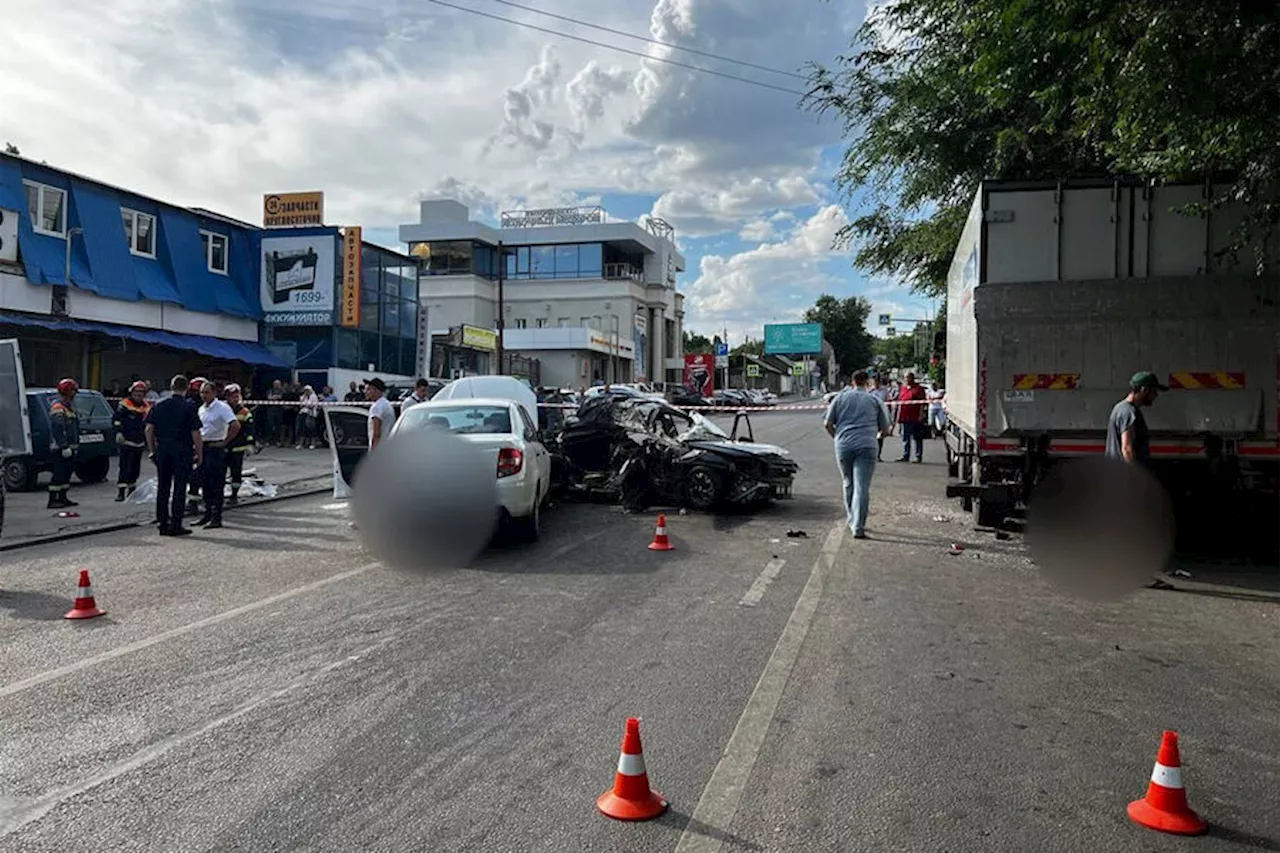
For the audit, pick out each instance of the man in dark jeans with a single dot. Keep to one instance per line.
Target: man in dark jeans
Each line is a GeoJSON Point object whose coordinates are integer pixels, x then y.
{"type": "Point", "coordinates": [912, 407]}
{"type": "Point", "coordinates": [173, 437]}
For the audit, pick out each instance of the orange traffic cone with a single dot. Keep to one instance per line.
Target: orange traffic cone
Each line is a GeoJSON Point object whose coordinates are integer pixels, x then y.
{"type": "Point", "coordinates": [85, 607]}
{"type": "Point", "coordinates": [631, 797]}
{"type": "Point", "coordinates": [660, 541]}
{"type": "Point", "coordinates": [1165, 806]}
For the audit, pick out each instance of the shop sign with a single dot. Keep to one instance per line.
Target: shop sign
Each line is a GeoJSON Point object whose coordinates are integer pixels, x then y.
{"type": "Point", "coordinates": [424, 341]}
{"type": "Point", "coordinates": [478, 338]}
{"type": "Point", "coordinates": [298, 318]}
{"type": "Point", "coordinates": [297, 275]}
{"type": "Point", "coordinates": [292, 210]}
{"type": "Point", "coordinates": [352, 238]}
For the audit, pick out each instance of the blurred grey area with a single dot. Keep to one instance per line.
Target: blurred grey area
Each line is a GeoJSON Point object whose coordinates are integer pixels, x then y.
{"type": "Point", "coordinates": [425, 500]}
{"type": "Point", "coordinates": [1100, 529]}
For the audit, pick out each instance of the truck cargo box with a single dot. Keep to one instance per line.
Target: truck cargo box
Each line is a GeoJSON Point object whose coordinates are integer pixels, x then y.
{"type": "Point", "coordinates": [1058, 294]}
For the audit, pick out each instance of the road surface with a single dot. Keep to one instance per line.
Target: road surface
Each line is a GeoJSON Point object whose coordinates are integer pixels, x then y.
{"type": "Point", "coordinates": [270, 687]}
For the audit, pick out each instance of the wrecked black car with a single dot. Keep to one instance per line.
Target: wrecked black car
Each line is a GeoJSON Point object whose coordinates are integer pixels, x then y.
{"type": "Point", "coordinates": [645, 452]}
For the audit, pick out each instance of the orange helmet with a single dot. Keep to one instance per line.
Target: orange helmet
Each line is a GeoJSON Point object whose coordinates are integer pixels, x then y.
{"type": "Point", "coordinates": [68, 386]}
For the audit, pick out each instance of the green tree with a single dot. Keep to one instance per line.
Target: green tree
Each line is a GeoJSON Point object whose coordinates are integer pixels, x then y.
{"type": "Point", "coordinates": [697, 344]}
{"type": "Point", "coordinates": [844, 325]}
{"type": "Point", "coordinates": [894, 353]}
{"type": "Point", "coordinates": [937, 95]}
{"type": "Point", "coordinates": [750, 347]}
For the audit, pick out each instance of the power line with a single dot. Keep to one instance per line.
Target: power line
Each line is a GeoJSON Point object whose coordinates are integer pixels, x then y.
{"type": "Point", "coordinates": [607, 46]}
{"type": "Point", "coordinates": [659, 42]}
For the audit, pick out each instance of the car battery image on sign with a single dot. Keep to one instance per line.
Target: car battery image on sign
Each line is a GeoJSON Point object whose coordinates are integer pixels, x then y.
{"type": "Point", "coordinates": [290, 271]}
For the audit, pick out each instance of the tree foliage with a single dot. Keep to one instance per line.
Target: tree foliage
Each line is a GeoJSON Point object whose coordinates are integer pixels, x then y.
{"type": "Point", "coordinates": [844, 325]}
{"type": "Point", "coordinates": [937, 95]}
{"type": "Point", "coordinates": [696, 344]}
{"type": "Point", "coordinates": [752, 346]}
{"type": "Point", "coordinates": [894, 353]}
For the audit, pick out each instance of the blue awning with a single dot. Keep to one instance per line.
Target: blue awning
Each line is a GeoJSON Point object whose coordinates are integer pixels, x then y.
{"type": "Point", "coordinates": [247, 351]}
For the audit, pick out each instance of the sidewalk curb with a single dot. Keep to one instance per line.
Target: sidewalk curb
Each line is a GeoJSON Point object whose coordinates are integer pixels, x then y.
{"type": "Point", "coordinates": [126, 525]}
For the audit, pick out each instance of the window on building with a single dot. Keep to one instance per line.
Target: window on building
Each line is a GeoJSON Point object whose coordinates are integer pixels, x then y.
{"type": "Point", "coordinates": [567, 261]}
{"type": "Point", "coordinates": [447, 258]}
{"type": "Point", "coordinates": [591, 260]}
{"type": "Point", "coordinates": [48, 208]}
{"type": "Point", "coordinates": [563, 322]}
{"type": "Point", "coordinates": [584, 322]}
{"type": "Point", "coordinates": [215, 251]}
{"type": "Point", "coordinates": [542, 262]}
{"type": "Point", "coordinates": [542, 322]}
{"type": "Point", "coordinates": [522, 263]}
{"type": "Point", "coordinates": [520, 323]}
{"type": "Point", "coordinates": [139, 232]}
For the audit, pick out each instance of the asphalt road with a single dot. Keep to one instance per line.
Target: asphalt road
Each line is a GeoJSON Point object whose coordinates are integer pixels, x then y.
{"type": "Point", "coordinates": [269, 687]}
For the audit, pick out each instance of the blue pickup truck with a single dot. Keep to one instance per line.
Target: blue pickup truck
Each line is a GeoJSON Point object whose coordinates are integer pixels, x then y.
{"type": "Point", "coordinates": [97, 441]}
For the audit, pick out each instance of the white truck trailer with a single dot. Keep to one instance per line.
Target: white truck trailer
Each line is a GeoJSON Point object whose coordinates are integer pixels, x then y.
{"type": "Point", "coordinates": [1059, 292]}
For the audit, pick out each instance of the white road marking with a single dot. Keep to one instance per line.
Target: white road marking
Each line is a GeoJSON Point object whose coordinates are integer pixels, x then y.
{"type": "Point", "coordinates": [181, 630]}
{"type": "Point", "coordinates": [719, 801]}
{"type": "Point", "coordinates": [19, 816]}
{"type": "Point", "coordinates": [335, 507]}
{"type": "Point", "coordinates": [771, 571]}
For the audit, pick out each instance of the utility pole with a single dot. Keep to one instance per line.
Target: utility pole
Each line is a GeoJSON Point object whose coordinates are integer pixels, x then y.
{"type": "Point", "coordinates": [502, 310]}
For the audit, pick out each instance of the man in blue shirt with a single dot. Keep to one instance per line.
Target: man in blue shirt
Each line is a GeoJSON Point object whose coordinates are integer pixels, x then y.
{"type": "Point", "coordinates": [857, 420]}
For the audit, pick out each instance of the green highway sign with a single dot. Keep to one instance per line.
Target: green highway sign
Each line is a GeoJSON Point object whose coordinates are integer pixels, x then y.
{"type": "Point", "coordinates": [793, 339]}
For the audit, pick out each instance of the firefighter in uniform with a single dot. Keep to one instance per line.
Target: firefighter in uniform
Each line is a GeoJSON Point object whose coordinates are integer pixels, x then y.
{"type": "Point", "coordinates": [193, 487]}
{"type": "Point", "coordinates": [240, 444]}
{"type": "Point", "coordinates": [131, 439]}
{"type": "Point", "coordinates": [64, 427]}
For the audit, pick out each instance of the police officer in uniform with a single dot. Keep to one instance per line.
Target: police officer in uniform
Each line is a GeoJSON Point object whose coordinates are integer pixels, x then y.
{"type": "Point", "coordinates": [197, 479]}
{"type": "Point", "coordinates": [173, 436]}
{"type": "Point", "coordinates": [64, 425]}
{"type": "Point", "coordinates": [131, 438]}
{"type": "Point", "coordinates": [218, 426]}
{"type": "Point", "coordinates": [239, 445]}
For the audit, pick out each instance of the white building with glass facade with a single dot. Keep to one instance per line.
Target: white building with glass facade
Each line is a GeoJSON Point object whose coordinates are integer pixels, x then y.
{"type": "Point", "coordinates": [592, 300]}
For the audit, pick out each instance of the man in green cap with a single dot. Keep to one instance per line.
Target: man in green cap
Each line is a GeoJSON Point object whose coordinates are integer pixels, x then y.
{"type": "Point", "coordinates": [1127, 436]}
{"type": "Point", "coordinates": [1128, 440]}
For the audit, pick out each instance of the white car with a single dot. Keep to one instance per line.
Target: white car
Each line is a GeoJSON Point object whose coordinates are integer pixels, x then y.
{"type": "Point", "coordinates": [504, 428]}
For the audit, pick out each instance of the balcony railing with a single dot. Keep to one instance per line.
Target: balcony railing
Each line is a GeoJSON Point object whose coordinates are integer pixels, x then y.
{"type": "Point", "coordinates": [620, 271]}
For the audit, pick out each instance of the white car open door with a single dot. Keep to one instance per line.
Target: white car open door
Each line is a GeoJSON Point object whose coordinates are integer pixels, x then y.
{"type": "Point", "coordinates": [15, 426]}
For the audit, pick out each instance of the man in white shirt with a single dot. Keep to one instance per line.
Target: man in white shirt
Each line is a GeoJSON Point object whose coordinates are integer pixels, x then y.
{"type": "Point", "coordinates": [218, 425]}
{"type": "Point", "coordinates": [421, 393]}
{"type": "Point", "coordinates": [381, 416]}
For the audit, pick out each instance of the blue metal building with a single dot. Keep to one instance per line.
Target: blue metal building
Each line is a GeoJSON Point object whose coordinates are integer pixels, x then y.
{"type": "Point", "coordinates": [107, 285]}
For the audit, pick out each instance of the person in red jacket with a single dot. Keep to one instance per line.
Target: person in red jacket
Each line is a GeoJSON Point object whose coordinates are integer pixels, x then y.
{"type": "Point", "coordinates": [913, 407]}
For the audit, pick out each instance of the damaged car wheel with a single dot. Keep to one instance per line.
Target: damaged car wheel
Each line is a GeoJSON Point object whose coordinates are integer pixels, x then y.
{"type": "Point", "coordinates": [702, 488]}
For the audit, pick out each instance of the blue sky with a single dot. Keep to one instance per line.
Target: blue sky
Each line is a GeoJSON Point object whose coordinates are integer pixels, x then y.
{"type": "Point", "coordinates": [215, 102]}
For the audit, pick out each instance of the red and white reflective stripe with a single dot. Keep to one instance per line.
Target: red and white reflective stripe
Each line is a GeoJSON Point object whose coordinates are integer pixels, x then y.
{"type": "Point", "coordinates": [631, 765]}
{"type": "Point", "coordinates": [84, 592]}
{"type": "Point", "coordinates": [662, 530]}
{"type": "Point", "coordinates": [1167, 777]}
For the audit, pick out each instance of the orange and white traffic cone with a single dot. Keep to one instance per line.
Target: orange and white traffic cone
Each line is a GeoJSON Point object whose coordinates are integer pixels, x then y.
{"type": "Point", "coordinates": [85, 607]}
{"type": "Point", "coordinates": [1165, 805]}
{"type": "Point", "coordinates": [631, 797]}
{"type": "Point", "coordinates": [660, 541]}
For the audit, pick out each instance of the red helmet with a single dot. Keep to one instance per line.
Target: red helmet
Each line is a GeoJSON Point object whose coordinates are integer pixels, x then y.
{"type": "Point", "coordinates": [197, 383]}
{"type": "Point", "coordinates": [138, 386]}
{"type": "Point", "coordinates": [68, 386]}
